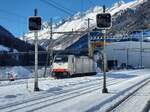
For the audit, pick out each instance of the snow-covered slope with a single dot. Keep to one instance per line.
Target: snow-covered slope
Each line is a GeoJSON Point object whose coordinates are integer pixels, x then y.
{"type": "Point", "coordinates": [2, 48]}
{"type": "Point", "coordinates": [78, 21]}
{"type": "Point", "coordinates": [18, 72]}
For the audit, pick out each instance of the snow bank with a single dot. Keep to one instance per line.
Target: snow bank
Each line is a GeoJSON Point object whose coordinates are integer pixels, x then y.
{"type": "Point", "coordinates": [2, 48]}
{"type": "Point", "coordinates": [17, 72]}
{"type": "Point", "coordinates": [20, 72]}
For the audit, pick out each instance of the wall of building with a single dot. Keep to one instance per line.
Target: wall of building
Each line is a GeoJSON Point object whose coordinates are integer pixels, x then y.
{"type": "Point", "coordinates": [121, 50]}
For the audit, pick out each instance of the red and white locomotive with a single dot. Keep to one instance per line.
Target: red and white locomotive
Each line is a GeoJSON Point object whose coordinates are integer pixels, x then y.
{"type": "Point", "coordinates": [72, 66]}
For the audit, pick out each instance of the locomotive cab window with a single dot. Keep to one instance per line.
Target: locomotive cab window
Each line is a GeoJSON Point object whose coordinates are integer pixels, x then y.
{"type": "Point", "coordinates": [61, 58]}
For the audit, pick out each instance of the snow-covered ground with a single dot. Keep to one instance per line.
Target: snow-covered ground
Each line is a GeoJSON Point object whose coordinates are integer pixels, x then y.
{"type": "Point", "coordinates": [82, 94]}
{"type": "Point", "coordinates": [17, 72]}
{"type": "Point", "coordinates": [138, 100]}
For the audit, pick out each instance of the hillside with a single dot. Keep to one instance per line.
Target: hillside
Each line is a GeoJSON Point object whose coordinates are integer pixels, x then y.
{"type": "Point", "coordinates": [10, 48]}
{"type": "Point", "coordinates": [8, 40]}
{"type": "Point", "coordinates": [132, 19]}
{"type": "Point", "coordinates": [126, 17]}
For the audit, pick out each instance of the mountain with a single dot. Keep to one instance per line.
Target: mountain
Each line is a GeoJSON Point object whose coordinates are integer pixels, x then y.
{"type": "Point", "coordinates": [8, 40]}
{"type": "Point", "coordinates": [132, 19]}
{"type": "Point", "coordinates": [10, 48]}
{"type": "Point", "coordinates": [126, 17]}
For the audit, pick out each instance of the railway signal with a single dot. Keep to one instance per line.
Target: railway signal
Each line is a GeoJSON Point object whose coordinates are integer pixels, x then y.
{"type": "Point", "coordinates": [104, 22]}
{"type": "Point", "coordinates": [35, 25]}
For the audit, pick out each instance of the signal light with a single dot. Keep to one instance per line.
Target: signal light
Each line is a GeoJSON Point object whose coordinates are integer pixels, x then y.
{"type": "Point", "coordinates": [103, 20]}
{"type": "Point", "coordinates": [34, 23]}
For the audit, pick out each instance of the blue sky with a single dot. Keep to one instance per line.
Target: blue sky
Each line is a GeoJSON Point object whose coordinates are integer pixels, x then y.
{"type": "Point", "coordinates": [14, 13]}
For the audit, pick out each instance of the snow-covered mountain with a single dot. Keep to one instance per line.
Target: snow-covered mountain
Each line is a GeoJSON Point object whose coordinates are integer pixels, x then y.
{"type": "Point", "coordinates": [79, 22]}
{"type": "Point", "coordinates": [10, 48]}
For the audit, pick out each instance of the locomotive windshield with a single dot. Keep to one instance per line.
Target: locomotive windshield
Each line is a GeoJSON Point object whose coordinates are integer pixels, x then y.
{"type": "Point", "coordinates": [61, 58]}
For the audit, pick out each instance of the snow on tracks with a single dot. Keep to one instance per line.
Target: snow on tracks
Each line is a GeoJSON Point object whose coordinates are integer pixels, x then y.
{"type": "Point", "coordinates": [50, 99]}
{"type": "Point", "coordinates": [118, 98]}
{"type": "Point", "coordinates": [135, 101]}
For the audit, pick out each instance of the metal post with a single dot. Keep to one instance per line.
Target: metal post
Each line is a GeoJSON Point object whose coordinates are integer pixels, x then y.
{"type": "Point", "coordinates": [130, 48]}
{"type": "Point", "coordinates": [89, 47]}
{"type": "Point", "coordinates": [51, 47]}
{"type": "Point", "coordinates": [49, 50]}
{"type": "Point", "coordinates": [104, 90]}
{"type": "Point", "coordinates": [36, 88]}
{"type": "Point", "coordinates": [114, 58]}
{"type": "Point", "coordinates": [127, 58]}
{"type": "Point", "coordinates": [89, 42]}
{"type": "Point", "coordinates": [104, 8]}
{"type": "Point", "coordinates": [141, 47]}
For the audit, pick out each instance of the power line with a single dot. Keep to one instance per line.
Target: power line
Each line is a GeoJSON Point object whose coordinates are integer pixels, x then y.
{"type": "Point", "coordinates": [57, 7]}
{"type": "Point", "coordinates": [12, 20]}
{"type": "Point", "coordinates": [70, 10]}
{"type": "Point", "coordinates": [21, 18]}
{"type": "Point", "coordinates": [12, 13]}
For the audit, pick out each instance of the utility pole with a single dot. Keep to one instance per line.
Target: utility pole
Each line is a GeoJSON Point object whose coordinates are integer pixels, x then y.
{"type": "Point", "coordinates": [114, 58]}
{"type": "Point", "coordinates": [36, 88]}
{"type": "Point", "coordinates": [141, 47]}
{"type": "Point", "coordinates": [104, 90]}
{"type": "Point", "coordinates": [89, 42]}
{"type": "Point", "coordinates": [127, 58]}
{"type": "Point", "coordinates": [49, 49]}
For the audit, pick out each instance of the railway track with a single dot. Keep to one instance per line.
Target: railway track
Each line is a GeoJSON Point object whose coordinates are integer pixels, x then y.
{"type": "Point", "coordinates": [25, 81]}
{"type": "Point", "coordinates": [46, 93]}
{"type": "Point", "coordinates": [136, 101]}
{"type": "Point", "coordinates": [118, 98]}
{"type": "Point", "coordinates": [49, 99]}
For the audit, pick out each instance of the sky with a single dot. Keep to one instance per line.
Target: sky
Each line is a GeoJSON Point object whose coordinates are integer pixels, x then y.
{"type": "Point", "coordinates": [14, 13]}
